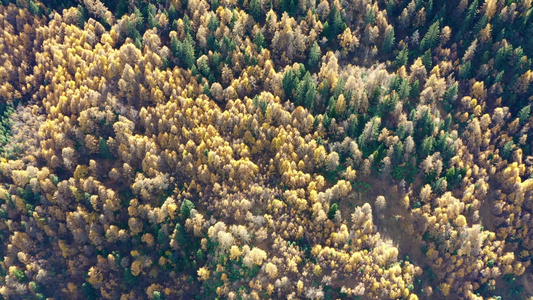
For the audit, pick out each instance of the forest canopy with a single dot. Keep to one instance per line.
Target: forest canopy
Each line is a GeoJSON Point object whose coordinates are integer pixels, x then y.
{"type": "Point", "coordinates": [266, 149]}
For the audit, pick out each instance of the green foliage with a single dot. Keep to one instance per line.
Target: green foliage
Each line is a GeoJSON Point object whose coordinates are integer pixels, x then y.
{"type": "Point", "coordinates": [55, 180]}
{"type": "Point", "coordinates": [367, 141]}
{"type": "Point", "coordinates": [374, 97]}
{"type": "Point", "coordinates": [186, 22]}
{"type": "Point", "coordinates": [184, 51]}
{"type": "Point", "coordinates": [139, 17]}
{"type": "Point", "coordinates": [89, 291]}
{"type": "Point", "coordinates": [103, 149]}
{"type": "Point", "coordinates": [480, 24]}
{"type": "Point", "coordinates": [28, 195]}
{"type": "Point", "coordinates": [370, 17]}
{"type": "Point", "coordinates": [290, 6]}
{"type": "Point", "coordinates": [229, 44]}
{"type": "Point", "coordinates": [203, 68]}
{"type": "Point", "coordinates": [290, 82]}
{"type": "Point", "coordinates": [132, 31]}
{"type": "Point", "coordinates": [122, 8]}
{"type": "Point", "coordinates": [326, 121]}
{"type": "Point", "coordinates": [260, 41]}
{"type": "Point", "coordinates": [415, 90]}
{"type": "Point", "coordinates": [378, 132]}
{"type": "Point", "coordinates": [446, 148]}
{"type": "Point", "coordinates": [5, 124]}
{"type": "Point", "coordinates": [180, 235]}
{"type": "Point", "coordinates": [337, 24]}
{"type": "Point", "coordinates": [213, 23]}
{"type": "Point", "coordinates": [431, 38]}
{"type": "Point", "coordinates": [306, 92]}
{"type": "Point", "coordinates": [427, 60]}
{"type": "Point", "coordinates": [402, 58]}
{"type": "Point", "coordinates": [404, 89]}
{"type": "Point", "coordinates": [490, 263]}
{"type": "Point", "coordinates": [129, 278]}
{"type": "Point", "coordinates": [465, 70]}
{"type": "Point", "coordinates": [326, 30]}
{"type": "Point", "coordinates": [175, 46]}
{"type": "Point", "coordinates": [39, 296]}
{"type": "Point", "coordinates": [353, 126]}
{"type": "Point", "coordinates": [524, 114]}
{"type": "Point", "coordinates": [332, 107]}
{"type": "Point", "coordinates": [404, 171]}
{"type": "Point", "coordinates": [398, 152]}
{"type": "Point", "coordinates": [424, 127]}
{"type": "Point", "coordinates": [468, 19]}
{"type": "Point", "coordinates": [34, 8]}
{"type": "Point", "coordinates": [395, 83]}
{"type": "Point", "coordinates": [507, 151]}
{"type": "Point", "coordinates": [387, 104]}
{"type": "Point", "coordinates": [451, 93]}
{"type": "Point", "coordinates": [152, 22]}
{"type": "Point", "coordinates": [454, 176]}
{"type": "Point", "coordinates": [185, 209]}
{"type": "Point", "coordinates": [254, 8]}
{"type": "Point", "coordinates": [157, 295]}
{"type": "Point", "coordinates": [207, 90]}
{"type": "Point", "coordinates": [439, 186]}
{"type": "Point", "coordinates": [314, 56]}
{"type": "Point", "coordinates": [162, 237]}
{"type": "Point", "coordinates": [187, 55]}
{"type": "Point", "coordinates": [19, 275]}
{"type": "Point", "coordinates": [388, 42]}
{"type": "Point", "coordinates": [503, 56]}
{"type": "Point", "coordinates": [263, 105]}
{"type": "Point", "coordinates": [332, 211]}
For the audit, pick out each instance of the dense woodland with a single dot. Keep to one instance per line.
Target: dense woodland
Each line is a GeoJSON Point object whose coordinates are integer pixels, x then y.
{"type": "Point", "coordinates": [256, 149]}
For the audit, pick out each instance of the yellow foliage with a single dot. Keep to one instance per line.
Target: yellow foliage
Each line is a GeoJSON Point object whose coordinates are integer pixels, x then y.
{"type": "Point", "coordinates": [136, 268]}
{"type": "Point", "coordinates": [172, 209]}
{"type": "Point", "coordinates": [272, 270]}
{"type": "Point", "coordinates": [235, 252]}
{"type": "Point", "coordinates": [445, 289]}
{"type": "Point", "coordinates": [460, 221]}
{"type": "Point", "coordinates": [317, 270]}
{"type": "Point", "coordinates": [300, 286]}
{"type": "Point", "coordinates": [203, 274]}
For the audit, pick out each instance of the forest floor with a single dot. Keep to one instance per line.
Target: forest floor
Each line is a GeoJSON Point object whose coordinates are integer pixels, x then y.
{"type": "Point", "coordinates": [392, 223]}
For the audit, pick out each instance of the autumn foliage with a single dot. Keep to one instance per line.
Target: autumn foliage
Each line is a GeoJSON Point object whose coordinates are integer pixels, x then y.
{"type": "Point", "coordinates": [252, 149]}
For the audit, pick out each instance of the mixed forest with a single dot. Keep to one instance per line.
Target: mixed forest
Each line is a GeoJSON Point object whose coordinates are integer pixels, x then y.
{"type": "Point", "coordinates": [266, 149]}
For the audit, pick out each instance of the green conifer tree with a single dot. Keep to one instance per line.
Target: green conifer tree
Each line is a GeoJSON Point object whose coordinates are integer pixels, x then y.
{"type": "Point", "coordinates": [314, 56]}
{"type": "Point", "coordinates": [402, 58]}
{"type": "Point", "coordinates": [431, 38]}
{"type": "Point", "coordinates": [389, 40]}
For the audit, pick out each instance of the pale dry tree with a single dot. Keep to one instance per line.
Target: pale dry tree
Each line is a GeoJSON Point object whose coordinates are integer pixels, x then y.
{"type": "Point", "coordinates": [381, 203]}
